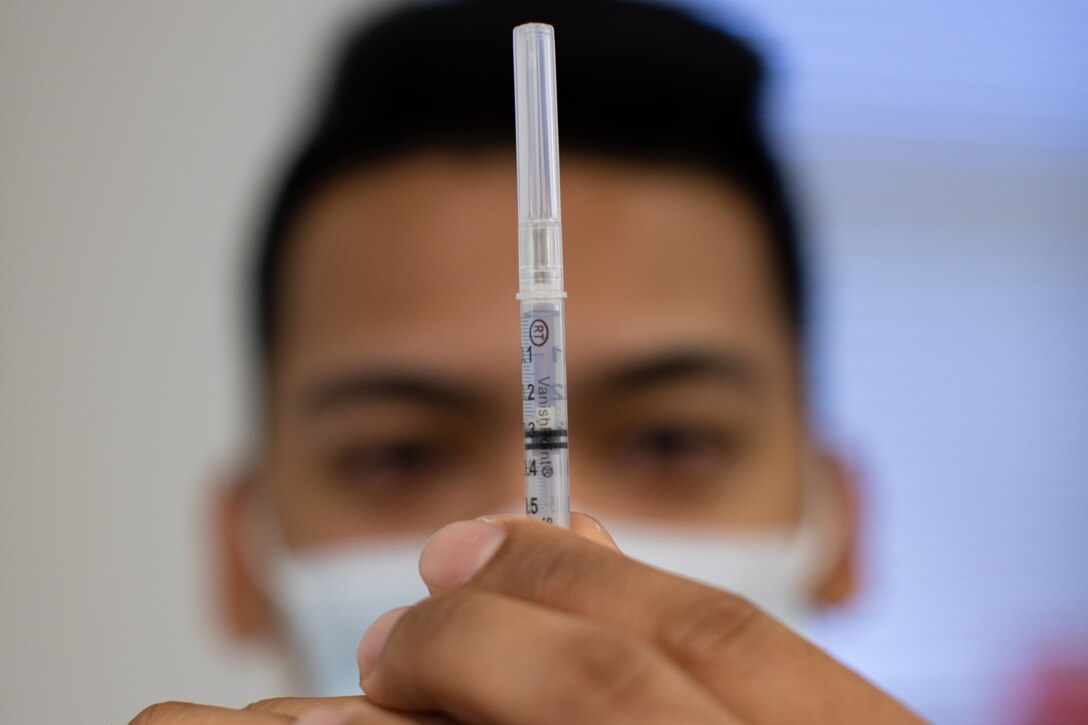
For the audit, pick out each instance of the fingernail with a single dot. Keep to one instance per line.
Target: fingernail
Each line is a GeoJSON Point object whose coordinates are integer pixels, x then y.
{"type": "Point", "coordinates": [457, 551]}
{"type": "Point", "coordinates": [590, 528]}
{"type": "Point", "coordinates": [324, 716]}
{"type": "Point", "coordinates": [373, 641]}
{"type": "Point", "coordinates": [594, 524]}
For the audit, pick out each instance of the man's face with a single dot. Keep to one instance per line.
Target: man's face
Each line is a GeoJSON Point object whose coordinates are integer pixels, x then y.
{"type": "Point", "coordinates": [395, 389]}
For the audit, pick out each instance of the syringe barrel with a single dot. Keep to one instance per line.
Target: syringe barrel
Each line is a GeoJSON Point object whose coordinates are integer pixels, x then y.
{"type": "Point", "coordinates": [544, 410]}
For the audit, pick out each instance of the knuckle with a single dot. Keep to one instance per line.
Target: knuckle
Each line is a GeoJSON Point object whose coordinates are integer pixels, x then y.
{"type": "Point", "coordinates": [612, 668]}
{"type": "Point", "coordinates": [161, 713]}
{"type": "Point", "coordinates": [538, 562]}
{"type": "Point", "coordinates": [466, 610]}
{"type": "Point", "coordinates": [428, 640]}
{"type": "Point", "coordinates": [424, 630]}
{"type": "Point", "coordinates": [712, 628]}
{"type": "Point", "coordinates": [431, 616]}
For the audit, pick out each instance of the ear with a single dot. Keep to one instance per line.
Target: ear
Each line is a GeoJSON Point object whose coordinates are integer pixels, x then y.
{"type": "Point", "coordinates": [841, 482]}
{"type": "Point", "coordinates": [244, 605]}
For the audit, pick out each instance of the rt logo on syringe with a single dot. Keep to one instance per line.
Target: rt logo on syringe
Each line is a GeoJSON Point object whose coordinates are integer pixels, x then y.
{"type": "Point", "coordinates": [538, 332]}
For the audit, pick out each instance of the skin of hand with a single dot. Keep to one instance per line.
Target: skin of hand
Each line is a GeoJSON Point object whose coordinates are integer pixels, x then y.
{"type": "Point", "coordinates": [528, 623]}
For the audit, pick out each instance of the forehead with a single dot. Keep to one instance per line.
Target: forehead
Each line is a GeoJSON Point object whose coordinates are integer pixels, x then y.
{"type": "Point", "coordinates": [415, 263]}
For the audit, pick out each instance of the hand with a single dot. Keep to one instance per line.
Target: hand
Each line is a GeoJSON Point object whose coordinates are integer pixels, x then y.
{"type": "Point", "coordinates": [529, 623]}
{"type": "Point", "coordinates": [532, 624]}
{"type": "Point", "coordinates": [313, 710]}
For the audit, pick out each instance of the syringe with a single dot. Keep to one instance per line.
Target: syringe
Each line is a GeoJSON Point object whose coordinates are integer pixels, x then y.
{"type": "Point", "coordinates": [540, 264]}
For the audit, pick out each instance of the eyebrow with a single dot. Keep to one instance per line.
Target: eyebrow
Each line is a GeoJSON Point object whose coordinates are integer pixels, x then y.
{"type": "Point", "coordinates": [357, 387]}
{"type": "Point", "coordinates": [389, 385]}
{"type": "Point", "coordinates": [730, 366]}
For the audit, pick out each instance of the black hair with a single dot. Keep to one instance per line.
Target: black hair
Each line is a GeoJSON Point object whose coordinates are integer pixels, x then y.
{"type": "Point", "coordinates": [635, 82]}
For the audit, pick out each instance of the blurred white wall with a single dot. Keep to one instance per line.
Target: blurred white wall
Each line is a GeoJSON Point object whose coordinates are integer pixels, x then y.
{"type": "Point", "coordinates": [944, 152]}
{"type": "Point", "coordinates": [135, 140]}
{"type": "Point", "coordinates": [944, 157]}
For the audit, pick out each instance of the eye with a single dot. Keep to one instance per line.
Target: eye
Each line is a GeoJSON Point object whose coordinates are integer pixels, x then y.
{"type": "Point", "coordinates": [386, 467]}
{"type": "Point", "coordinates": [678, 451]}
{"type": "Point", "coordinates": [669, 444]}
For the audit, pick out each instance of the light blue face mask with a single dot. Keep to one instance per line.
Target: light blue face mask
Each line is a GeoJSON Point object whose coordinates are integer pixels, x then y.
{"type": "Point", "coordinates": [329, 597]}
{"type": "Point", "coordinates": [777, 569]}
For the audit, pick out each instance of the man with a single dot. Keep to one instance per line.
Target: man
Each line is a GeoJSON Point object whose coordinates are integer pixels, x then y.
{"type": "Point", "coordinates": [391, 399]}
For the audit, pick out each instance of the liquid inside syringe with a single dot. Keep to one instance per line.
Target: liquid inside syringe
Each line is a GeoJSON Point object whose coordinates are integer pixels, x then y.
{"type": "Point", "coordinates": [544, 411]}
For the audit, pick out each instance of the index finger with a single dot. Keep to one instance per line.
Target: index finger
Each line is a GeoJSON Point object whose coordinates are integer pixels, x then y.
{"type": "Point", "coordinates": [761, 669]}
{"type": "Point", "coordinates": [358, 706]}
{"type": "Point", "coordinates": [187, 713]}
{"type": "Point", "coordinates": [282, 711]}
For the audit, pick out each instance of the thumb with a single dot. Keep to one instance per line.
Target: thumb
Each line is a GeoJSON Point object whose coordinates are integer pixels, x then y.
{"type": "Point", "coordinates": [582, 525]}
